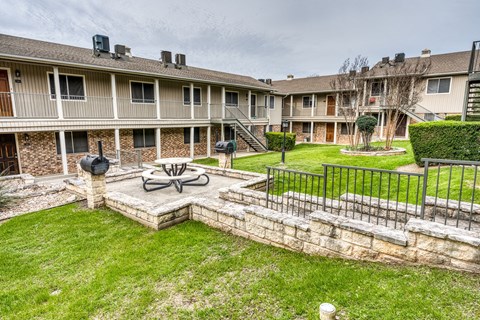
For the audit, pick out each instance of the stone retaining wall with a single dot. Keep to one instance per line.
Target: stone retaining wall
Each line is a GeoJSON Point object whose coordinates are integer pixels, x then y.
{"type": "Point", "coordinates": [422, 242]}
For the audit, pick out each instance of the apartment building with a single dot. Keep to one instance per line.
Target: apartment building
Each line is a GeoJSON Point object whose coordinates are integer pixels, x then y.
{"type": "Point", "coordinates": [56, 101]}
{"type": "Point", "coordinates": [311, 105]}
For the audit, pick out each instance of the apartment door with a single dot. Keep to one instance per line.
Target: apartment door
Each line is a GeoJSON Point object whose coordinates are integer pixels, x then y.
{"type": "Point", "coordinates": [8, 154]}
{"type": "Point", "coordinates": [330, 136]}
{"type": "Point", "coordinates": [330, 106]}
{"type": "Point", "coordinates": [253, 106]}
{"type": "Point", "coordinates": [401, 127]}
{"type": "Point", "coordinates": [5, 99]}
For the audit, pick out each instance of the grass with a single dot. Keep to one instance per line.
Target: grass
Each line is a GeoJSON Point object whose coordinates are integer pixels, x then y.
{"type": "Point", "coordinates": [73, 263]}
{"type": "Point", "coordinates": [310, 157]}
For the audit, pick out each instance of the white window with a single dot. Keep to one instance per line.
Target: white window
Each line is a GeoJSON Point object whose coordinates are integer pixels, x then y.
{"type": "Point", "coordinates": [72, 87]}
{"type": "Point", "coordinates": [197, 96]}
{"type": "Point", "coordinates": [231, 99]}
{"type": "Point", "coordinates": [377, 89]}
{"type": "Point", "coordinates": [441, 85]}
{"type": "Point", "coordinates": [272, 102]}
{"type": "Point", "coordinates": [142, 92]}
{"type": "Point", "coordinates": [307, 101]}
{"type": "Point", "coordinates": [75, 141]}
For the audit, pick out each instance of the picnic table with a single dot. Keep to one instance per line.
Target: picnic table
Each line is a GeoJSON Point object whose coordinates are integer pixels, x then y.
{"type": "Point", "coordinates": [175, 172]}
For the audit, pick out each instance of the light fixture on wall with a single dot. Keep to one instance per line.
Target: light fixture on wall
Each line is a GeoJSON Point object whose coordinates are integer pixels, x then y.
{"type": "Point", "coordinates": [17, 73]}
{"type": "Point", "coordinates": [26, 139]}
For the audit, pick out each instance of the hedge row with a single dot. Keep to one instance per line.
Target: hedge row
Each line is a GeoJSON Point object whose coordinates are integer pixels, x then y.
{"type": "Point", "coordinates": [445, 140]}
{"type": "Point", "coordinates": [275, 141]}
{"type": "Point", "coordinates": [458, 117]}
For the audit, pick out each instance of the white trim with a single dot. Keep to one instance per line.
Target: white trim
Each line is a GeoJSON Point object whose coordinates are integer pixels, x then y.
{"type": "Point", "coordinates": [238, 99]}
{"type": "Point", "coordinates": [116, 133]}
{"type": "Point", "coordinates": [183, 97]}
{"type": "Point", "coordinates": [192, 141]}
{"type": "Point", "coordinates": [158, 142]}
{"type": "Point", "coordinates": [192, 100]}
{"type": "Point", "coordinates": [114, 95]}
{"type": "Point", "coordinates": [291, 108]}
{"type": "Point", "coordinates": [249, 104]}
{"type": "Point", "coordinates": [435, 93]}
{"type": "Point", "coordinates": [157, 101]}
{"type": "Point", "coordinates": [209, 102]}
{"type": "Point", "coordinates": [209, 136]}
{"type": "Point", "coordinates": [12, 95]}
{"type": "Point", "coordinates": [312, 127]}
{"type": "Point", "coordinates": [63, 151]}
{"type": "Point", "coordinates": [66, 74]}
{"type": "Point", "coordinates": [314, 96]}
{"type": "Point", "coordinates": [131, 95]}
{"type": "Point", "coordinates": [223, 106]}
{"type": "Point", "coordinates": [334, 133]}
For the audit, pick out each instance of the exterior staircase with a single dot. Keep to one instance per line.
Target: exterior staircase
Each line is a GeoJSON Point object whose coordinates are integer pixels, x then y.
{"type": "Point", "coordinates": [240, 122]}
{"type": "Point", "coordinates": [418, 109]}
{"type": "Point", "coordinates": [471, 107]}
{"type": "Point", "coordinates": [249, 137]}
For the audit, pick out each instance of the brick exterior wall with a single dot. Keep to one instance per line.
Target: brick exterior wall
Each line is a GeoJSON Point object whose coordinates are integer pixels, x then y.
{"type": "Point", "coordinates": [38, 156]}
{"type": "Point", "coordinates": [319, 132]}
{"type": "Point", "coordinates": [297, 128]}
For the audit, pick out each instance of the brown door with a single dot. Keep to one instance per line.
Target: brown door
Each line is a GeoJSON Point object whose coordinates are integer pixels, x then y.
{"type": "Point", "coordinates": [330, 106]}
{"type": "Point", "coordinates": [330, 132]}
{"type": "Point", "coordinates": [5, 100]}
{"type": "Point", "coordinates": [401, 127]}
{"type": "Point", "coordinates": [8, 154]}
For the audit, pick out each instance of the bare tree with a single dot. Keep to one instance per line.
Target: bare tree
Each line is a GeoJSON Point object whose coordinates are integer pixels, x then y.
{"type": "Point", "coordinates": [348, 85]}
{"type": "Point", "coordinates": [402, 89]}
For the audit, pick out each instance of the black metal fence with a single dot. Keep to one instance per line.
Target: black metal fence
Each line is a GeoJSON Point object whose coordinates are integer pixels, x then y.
{"type": "Point", "coordinates": [446, 193]}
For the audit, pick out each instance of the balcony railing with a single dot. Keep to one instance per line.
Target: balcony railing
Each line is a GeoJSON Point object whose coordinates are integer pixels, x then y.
{"type": "Point", "coordinates": [44, 106]}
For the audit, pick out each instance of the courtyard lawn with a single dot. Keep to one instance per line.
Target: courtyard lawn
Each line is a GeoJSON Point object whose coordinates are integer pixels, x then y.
{"type": "Point", "coordinates": [310, 157]}
{"type": "Point", "coordinates": [73, 263]}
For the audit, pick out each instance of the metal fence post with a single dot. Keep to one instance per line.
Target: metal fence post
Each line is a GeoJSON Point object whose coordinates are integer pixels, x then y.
{"type": "Point", "coordinates": [325, 187]}
{"type": "Point", "coordinates": [424, 188]}
{"type": "Point", "coordinates": [268, 186]}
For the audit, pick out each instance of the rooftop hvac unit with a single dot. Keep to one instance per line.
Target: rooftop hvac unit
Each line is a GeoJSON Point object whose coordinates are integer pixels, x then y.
{"type": "Point", "coordinates": [268, 81]}
{"type": "Point", "coordinates": [166, 57]}
{"type": "Point", "coordinates": [120, 50]}
{"type": "Point", "coordinates": [180, 59]}
{"type": "Point", "coordinates": [101, 43]}
{"type": "Point", "coordinates": [400, 57]}
{"type": "Point", "coordinates": [385, 60]}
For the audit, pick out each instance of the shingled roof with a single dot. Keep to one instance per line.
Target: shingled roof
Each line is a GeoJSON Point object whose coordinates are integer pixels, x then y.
{"type": "Point", "coordinates": [441, 64]}
{"type": "Point", "coordinates": [304, 85]}
{"type": "Point", "coordinates": [17, 48]}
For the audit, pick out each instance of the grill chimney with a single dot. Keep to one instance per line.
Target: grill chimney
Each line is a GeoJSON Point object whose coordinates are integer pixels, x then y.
{"type": "Point", "coordinates": [426, 53]}
{"type": "Point", "coordinates": [290, 77]}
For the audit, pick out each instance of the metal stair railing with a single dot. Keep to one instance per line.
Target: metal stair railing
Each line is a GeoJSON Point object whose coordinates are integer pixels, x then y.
{"type": "Point", "coordinates": [421, 109]}
{"type": "Point", "coordinates": [242, 126]}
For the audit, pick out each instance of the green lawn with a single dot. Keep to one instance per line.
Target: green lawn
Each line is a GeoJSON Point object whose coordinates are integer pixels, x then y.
{"type": "Point", "coordinates": [310, 157]}
{"type": "Point", "coordinates": [72, 263]}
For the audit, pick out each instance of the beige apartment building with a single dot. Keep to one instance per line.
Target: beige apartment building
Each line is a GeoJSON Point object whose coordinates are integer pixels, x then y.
{"type": "Point", "coordinates": [166, 108]}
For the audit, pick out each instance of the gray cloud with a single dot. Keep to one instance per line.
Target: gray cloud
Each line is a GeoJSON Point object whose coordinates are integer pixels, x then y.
{"type": "Point", "coordinates": [264, 39]}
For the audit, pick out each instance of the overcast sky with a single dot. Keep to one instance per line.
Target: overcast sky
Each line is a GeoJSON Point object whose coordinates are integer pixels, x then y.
{"type": "Point", "coordinates": [262, 39]}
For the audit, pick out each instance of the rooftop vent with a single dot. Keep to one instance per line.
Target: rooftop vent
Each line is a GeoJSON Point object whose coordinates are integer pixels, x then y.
{"type": "Point", "coordinates": [426, 53]}
{"type": "Point", "coordinates": [180, 59]}
{"type": "Point", "coordinates": [166, 57]}
{"type": "Point", "coordinates": [385, 60]}
{"type": "Point", "coordinates": [400, 57]}
{"type": "Point", "coordinates": [364, 69]}
{"type": "Point", "coordinates": [290, 77]}
{"type": "Point", "coordinates": [101, 44]}
{"type": "Point", "coordinates": [128, 52]}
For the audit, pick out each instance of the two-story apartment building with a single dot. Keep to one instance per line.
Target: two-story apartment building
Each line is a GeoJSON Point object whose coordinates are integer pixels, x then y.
{"type": "Point", "coordinates": [56, 101]}
{"type": "Point", "coordinates": [310, 104]}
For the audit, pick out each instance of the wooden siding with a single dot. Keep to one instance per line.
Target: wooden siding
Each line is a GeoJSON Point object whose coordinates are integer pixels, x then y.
{"type": "Point", "coordinates": [449, 102]}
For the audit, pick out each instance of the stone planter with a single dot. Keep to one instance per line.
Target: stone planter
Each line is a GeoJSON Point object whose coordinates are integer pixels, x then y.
{"type": "Point", "coordinates": [393, 152]}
